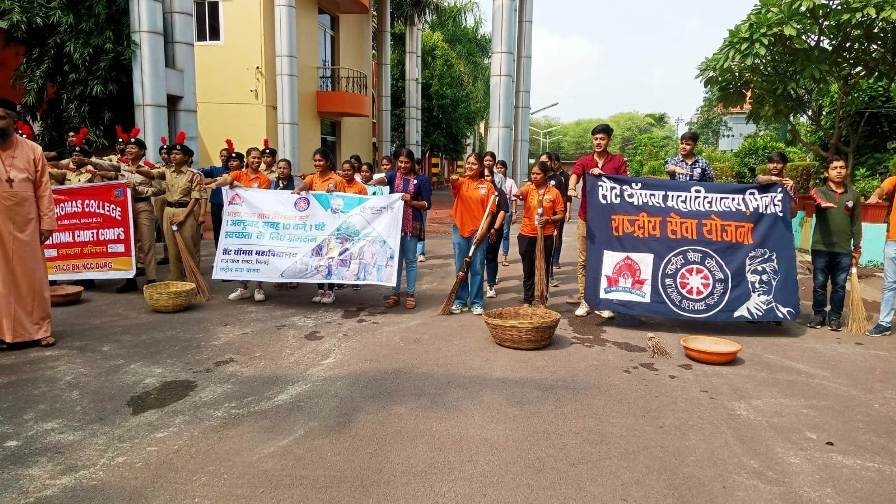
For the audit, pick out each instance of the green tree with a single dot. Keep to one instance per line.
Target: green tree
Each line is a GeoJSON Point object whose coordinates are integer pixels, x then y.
{"type": "Point", "coordinates": [77, 71]}
{"type": "Point", "coordinates": [709, 120]}
{"type": "Point", "coordinates": [804, 60]}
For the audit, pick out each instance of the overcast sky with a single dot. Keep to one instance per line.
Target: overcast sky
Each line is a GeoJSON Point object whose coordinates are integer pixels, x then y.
{"type": "Point", "coordinates": [599, 57]}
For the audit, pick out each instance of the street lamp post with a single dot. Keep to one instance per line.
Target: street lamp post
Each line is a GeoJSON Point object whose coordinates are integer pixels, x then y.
{"type": "Point", "coordinates": [541, 137]}
{"type": "Point", "coordinates": [547, 141]}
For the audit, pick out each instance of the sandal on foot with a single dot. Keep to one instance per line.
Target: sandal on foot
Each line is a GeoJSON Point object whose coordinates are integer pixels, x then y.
{"type": "Point", "coordinates": [47, 342]}
{"type": "Point", "coordinates": [409, 302]}
{"type": "Point", "coordinates": [392, 300]}
{"type": "Point", "coordinates": [504, 262]}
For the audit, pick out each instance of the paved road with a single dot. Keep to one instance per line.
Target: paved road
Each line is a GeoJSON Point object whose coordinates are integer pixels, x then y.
{"type": "Point", "coordinates": [287, 401]}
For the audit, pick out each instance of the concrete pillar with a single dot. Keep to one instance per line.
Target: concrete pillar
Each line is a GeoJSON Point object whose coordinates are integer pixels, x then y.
{"type": "Point", "coordinates": [500, 117]}
{"type": "Point", "coordinates": [412, 140]}
{"type": "Point", "coordinates": [287, 68]}
{"type": "Point", "coordinates": [522, 105]}
{"type": "Point", "coordinates": [419, 94]}
{"type": "Point", "coordinates": [384, 65]}
{"type": "Point", "coordinates": [184, 117]}
{"type": "Point", "coordinates": [148, 68]}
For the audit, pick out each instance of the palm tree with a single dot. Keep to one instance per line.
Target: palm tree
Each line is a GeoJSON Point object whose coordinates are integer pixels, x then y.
{"type": "Point", "coordinates": [412, 14]}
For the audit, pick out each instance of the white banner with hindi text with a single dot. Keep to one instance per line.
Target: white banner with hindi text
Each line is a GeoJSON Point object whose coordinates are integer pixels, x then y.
{"type": "Point", "coordinates": [313, 237]}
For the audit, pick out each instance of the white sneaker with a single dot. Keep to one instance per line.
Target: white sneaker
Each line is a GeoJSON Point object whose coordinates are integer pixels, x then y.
{"type": "Point", "coordinates": [490, 292]}
{"type": "Point", "coordinates": [607, 314]}
{"type": "Point", "coordinates": [421, 258]}
{"type": "Point", "coordinates": [239, 293]}
{"type": "Point", "coordinates": [259, 295]}
{"type": "Point", "coordinates": [477, 310]}
{"type": "Point", "coordinates": [457, 308]}
{"type": "Point", "coordinates": [328, 297]}
{"type": "Point", "coordinates": [583, 310]}
{"type": "Point", "coordinates": [555, 283]}
{"type": "Point", "coordinates": [318, 297]}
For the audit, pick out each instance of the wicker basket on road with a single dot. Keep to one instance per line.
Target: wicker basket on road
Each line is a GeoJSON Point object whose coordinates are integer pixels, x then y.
{"type": "Point", "coordinates": [169, 297]}
{"type": "Point", "coordinates": [522, 327]}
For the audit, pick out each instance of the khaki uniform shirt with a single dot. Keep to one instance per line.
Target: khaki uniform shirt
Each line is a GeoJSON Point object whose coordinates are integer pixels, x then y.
{"type": "Point", "coordinates": [66, 177]}
{"type": "Point", "coordinates": [143, 187]}
{"type": "Point", "coordinates": [182, 185]}
{"type": "Point", "coordinates": [271, 173]}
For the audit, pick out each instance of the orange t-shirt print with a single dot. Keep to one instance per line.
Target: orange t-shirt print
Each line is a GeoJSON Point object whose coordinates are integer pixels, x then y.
{"type": "Point", "coordinates": [470, 199]}
{"type": "Point", "coordinates": [552, 204]}
{"type": "Point", "coordinates": [317, 183]}
{"type": "Point", "coordinates": [245, 179]}
{"type": "Point", "coordinates": [889, 190]}
{"type": "Point", "coordinates": [355, 188]}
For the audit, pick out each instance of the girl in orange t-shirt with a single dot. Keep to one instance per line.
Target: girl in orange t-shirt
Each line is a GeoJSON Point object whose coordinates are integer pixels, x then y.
{"type": "Point", "coordinates": [323, 179]}
{"type": "Point", "coordinates": [553, 210]}
{"type": "Point", "coordinates": [253, 178]}
{"type": "Point", "coordinates": [348, 172]}
{"type": "Point", "coordinates": [472, 194]}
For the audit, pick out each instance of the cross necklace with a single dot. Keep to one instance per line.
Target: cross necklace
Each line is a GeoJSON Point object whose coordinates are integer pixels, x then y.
{"type": "Point", "coordinates": [9, 180]}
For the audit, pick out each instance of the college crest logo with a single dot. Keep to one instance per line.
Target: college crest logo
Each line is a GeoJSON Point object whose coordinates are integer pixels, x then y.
{"type": "Point", "coordinates": [235, 200]}
{"type": "Point", "coordinates": [626, 276]}
{"type": "Point", "coordinates": [694, 282]}
{"type": "Point", "coordinates": [302, 204]}
{"type": "Point", "coordinates": [118, 193]}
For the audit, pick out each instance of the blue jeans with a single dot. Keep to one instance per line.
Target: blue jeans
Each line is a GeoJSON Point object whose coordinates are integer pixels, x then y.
{"type": "Point", "coordinates": [505, 244]}
{"type": "Point", "coordinates": [421, 245]}
{"type": "Point", "coordinates": [888, 293]}
{"type": "Point", "coordinates": [407, 255]}
{"type": "Point", "coordinates": [470, 291]}
{"type": "Point", "coordinates": [833, 266]}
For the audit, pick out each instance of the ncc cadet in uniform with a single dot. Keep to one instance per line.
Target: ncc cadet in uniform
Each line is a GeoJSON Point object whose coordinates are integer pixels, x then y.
{"type": "Point", "coordinates": [184, 195]}
{"type": "Point", "coordinates": [77, 169]}
{"type": "Point", "coordinates": [269, 160]}
{"type": "Point", "coordinates": [142, 192]}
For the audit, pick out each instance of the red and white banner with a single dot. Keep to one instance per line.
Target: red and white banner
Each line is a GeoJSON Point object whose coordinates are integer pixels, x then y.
{"type": "Point", "coordinates": [94, 235]}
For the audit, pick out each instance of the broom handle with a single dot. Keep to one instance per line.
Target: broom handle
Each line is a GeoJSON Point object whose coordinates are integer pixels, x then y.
{"type": "Point", "coordinates": [482, 224]}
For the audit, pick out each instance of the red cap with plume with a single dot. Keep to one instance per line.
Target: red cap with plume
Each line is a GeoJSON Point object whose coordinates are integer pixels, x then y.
{"type": "Point", "coordinates": [181, 138]}
{"type": "Point", "coordinates": [229, 143]}
{"type": "Point", "coordinates": [120, 134]}
{"type": "Point", "coordinates": [81, 136]}
{"type": "Point", "coordinates": [267, 143]}
{"type": "Point", "coordinates": [24, 130]}
{"type": "Point", "coordinates": [135, 132]}
{"type": "Point", "coordinates": [164, 140]}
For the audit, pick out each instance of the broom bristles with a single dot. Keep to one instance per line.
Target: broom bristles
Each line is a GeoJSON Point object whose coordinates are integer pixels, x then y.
{"type": "Point", "coordinates": [541, 284]}
{"type": "Point", "coordinates": [656, 347]}
{"type": "Point", "coordinates": [449, 301]}
{"type": "Point", "coordinates": [194, 276]}
{"type": "Point", "coordinates": [855, 306]}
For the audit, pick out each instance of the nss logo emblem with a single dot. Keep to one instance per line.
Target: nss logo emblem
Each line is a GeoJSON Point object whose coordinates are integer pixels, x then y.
{"type": "Point", "coordinates": [694, 282]}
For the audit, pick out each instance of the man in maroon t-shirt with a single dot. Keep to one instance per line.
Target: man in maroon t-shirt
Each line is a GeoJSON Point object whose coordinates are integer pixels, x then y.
{"type": "Point", "coordinates": [598, 163]}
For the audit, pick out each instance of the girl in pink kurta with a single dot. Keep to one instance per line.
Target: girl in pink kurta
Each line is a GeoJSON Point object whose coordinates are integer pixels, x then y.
{"type": "Point", "coordinates": [26, 213]}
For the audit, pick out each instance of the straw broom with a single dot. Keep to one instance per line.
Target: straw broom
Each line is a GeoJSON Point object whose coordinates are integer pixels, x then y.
{"type": "Point", "coordinates": [194, 276]}
{"type": "Point", "coordinates": [465, 268]}
{"type": "Point", "coordinates": [541, 283]}
{"type": "Point", "coordinates": [854, 305]}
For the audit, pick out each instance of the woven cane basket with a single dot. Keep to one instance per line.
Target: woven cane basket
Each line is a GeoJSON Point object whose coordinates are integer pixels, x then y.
{"type": "Point", "coordinates": [169, 297]}
{"type": "Point", "coordinates": [521, 327]}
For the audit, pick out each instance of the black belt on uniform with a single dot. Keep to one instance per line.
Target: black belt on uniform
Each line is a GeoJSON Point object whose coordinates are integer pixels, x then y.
{"type": "Point", "coordinates": [142, 200]}
{"type": "Point", "coordinates": [177, 204]}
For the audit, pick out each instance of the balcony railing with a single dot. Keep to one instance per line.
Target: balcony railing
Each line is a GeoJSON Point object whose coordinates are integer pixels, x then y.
{"type": "Point", "coordinates": [343, 79]}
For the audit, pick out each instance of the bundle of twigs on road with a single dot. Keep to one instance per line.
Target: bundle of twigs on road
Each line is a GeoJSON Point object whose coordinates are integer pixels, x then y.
{"type": "Point", "coordinates": [465, 268]}
{"type": "Point", "coordinates": [656, 347]}
{"type": "Point", "coordinates": [194, 276]}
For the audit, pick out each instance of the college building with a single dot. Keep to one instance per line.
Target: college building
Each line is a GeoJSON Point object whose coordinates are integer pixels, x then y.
{"type": "Point", "coordinates": [298, 72]}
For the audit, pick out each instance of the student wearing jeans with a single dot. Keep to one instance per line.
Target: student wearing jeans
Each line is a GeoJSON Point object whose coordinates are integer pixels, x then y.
{"type": "Point", "coordinates": [472, 194]}
{"type": "Point", "coordinates": [836, 244]}
{"type": "Point", "coordinates": [510, 189]}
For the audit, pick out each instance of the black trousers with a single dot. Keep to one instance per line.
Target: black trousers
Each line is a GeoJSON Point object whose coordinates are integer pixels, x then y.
{"type": "Point", "coordinates": [526, 246]}
{"type": "Point", "coordinates": [217, 220]}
